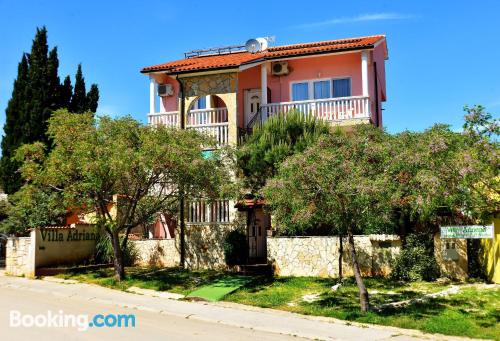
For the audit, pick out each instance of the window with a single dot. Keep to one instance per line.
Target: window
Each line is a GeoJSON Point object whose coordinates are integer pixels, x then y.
{"type": "Point", "coordinates": [300, 91]}
{"type": "Point", "coordinates": [321, 89]}
{"type": "Point", "coordinates": [318, 89]}
{"type": "Point", "coordinates": [201, 103]}
{"type": "Point", "coordinates": [342, 87]}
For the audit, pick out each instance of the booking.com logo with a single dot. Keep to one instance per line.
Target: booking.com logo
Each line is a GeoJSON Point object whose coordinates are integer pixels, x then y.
{"type": "Point", "coordinates": [61, 320]}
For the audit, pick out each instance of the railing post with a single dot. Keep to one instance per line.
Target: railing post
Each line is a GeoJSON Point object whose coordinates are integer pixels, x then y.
{"type": "Point", "coordinates": [263, 89]}
{"type": "Point", "coordinates": [364, 72]}
{"type": "Point", "coordinates": [152, 95]}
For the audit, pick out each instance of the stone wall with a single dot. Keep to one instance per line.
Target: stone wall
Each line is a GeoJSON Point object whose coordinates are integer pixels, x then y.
{"type": "Point", "coordinates": [19, 259]}
{"type": "Point", "coordinates": [319, 256]}
{"type": "Point", "coordinates": [157, 252]}
{"type": "Point", "coordinates": [205, 245]}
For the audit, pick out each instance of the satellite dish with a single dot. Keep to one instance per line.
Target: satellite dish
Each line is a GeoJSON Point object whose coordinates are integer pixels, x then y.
{"type": "Point", "coordinates": [256, 45]}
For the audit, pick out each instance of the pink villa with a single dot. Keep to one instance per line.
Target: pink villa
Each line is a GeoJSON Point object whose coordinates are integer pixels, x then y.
{"type": "Point", "coordinates": [225, 91]}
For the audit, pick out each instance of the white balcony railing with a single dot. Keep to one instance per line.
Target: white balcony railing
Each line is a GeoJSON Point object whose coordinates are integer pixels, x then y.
{"type": "Point", "coordinates": [169, 119]}
{"type": "Point", "coordinates": [213, 122]}
{"type": "Point", "coordinates": [328, 109]}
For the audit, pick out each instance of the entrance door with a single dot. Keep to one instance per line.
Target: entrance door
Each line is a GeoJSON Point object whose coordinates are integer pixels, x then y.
{"type": "Point", "coordinates": [252, 104]}
{"type": "Point", "coordinates": [258, 223]}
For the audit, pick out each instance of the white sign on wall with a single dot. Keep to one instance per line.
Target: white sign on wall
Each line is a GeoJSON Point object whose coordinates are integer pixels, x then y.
{"type": "Point", "coordinates": [467, 232]}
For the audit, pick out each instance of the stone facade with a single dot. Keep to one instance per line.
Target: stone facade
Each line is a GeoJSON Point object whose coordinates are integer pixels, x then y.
{"type": "Point", "coordinates": [19, 259]}
{"type": "Point", "coordinates": [319, 256]}
{"type": "Point", "coordinates": [220, 83]}
{"type": "Point", "coordinates": [157, 252]}
{"type": "Point", "coordinates": [223, 85]}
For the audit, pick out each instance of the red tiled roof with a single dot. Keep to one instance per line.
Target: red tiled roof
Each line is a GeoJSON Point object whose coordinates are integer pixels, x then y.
{"type": "Point", "coordinates": [235, 59]}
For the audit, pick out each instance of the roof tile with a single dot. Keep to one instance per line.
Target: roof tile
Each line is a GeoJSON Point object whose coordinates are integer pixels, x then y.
{"type": "Point", "coordinates": [235, 59]}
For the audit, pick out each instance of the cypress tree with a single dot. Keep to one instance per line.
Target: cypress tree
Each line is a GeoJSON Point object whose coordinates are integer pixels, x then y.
{"type": "Point", "coordinates": [53, 81]}
{"type": "Point", "coordinates": [37, 92]}
{"type": "Point", "coordinates": [13, 129]}
{"type": "Point", "coordinates": [65, 93]}
{"type": "Point", "coordinates": [79, 99]}
{"type": "Point", "coordinates": [92, 98]}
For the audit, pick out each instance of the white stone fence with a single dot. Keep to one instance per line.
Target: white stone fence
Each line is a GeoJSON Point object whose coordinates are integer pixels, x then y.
{"type": "Point", "coordinates": [19, 257]}
{"type": "Point", "coordinates": [156, 252]}
{"type": "Point", "coordinates": [319, 256]}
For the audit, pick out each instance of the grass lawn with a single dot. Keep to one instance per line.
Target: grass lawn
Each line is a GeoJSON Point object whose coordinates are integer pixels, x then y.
{"type": "Point", "coordinates": [172, 280]}
{"type": "Point", "coordinates": [474, 311]}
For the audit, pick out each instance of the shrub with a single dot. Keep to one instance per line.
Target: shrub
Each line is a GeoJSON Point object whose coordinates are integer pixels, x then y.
{"type": "Point", "coordinates": [235, 248]}
{"type": "Point", "coordinates": [104, 251]}
{"type": "Point", "coordinates": [416, 260]}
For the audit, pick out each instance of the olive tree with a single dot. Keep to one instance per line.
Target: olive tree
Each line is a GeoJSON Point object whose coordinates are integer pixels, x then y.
{"type": "Point", "coordinates": [148, 167]}
{"type": "Point", "coordinates": [339, 182]}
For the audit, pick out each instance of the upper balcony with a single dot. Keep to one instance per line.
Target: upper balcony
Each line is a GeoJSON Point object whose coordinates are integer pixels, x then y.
{"type": "Point", "coordinates": [337, 111]}
{"type": "Point", "coordinates": [213, 122]}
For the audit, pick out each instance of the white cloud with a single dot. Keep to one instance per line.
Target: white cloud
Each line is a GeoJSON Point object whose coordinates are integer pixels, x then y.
{"type": "Point", "coordinates": [358, 18]}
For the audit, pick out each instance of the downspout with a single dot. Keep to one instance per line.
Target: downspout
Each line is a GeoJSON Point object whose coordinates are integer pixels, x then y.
{"type": "Point", "coordinates": [181, 192]}
{"type": "Point", "coordinates": [377, 123]}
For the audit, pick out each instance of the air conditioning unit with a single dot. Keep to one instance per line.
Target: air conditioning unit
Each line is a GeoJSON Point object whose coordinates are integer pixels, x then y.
{"type": "Point", "coordinates": [279, 68]}
{"type": "Point", "coordinates": [165, 90]}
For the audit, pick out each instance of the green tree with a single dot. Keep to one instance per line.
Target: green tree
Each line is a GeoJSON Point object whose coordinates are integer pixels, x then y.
{"type": "Point", "coordinates": [270, 143]}
{"type": "Point", "coordinates": [426, 176]}
{"type": "Point", "coordinates": [148, 167]}
{"type": "Point", "coordinates": [33, 205]}
{"type": "Point", "coordinates": [340, 183]}
{"type": "Point", "coordinates": [92, 98]}
{"type": "Point", "coordinates": [82, 101]}
{"type": "Point", "coordinates": [480, 163]}
{"type": "Point", "coordinates": [16, 117]}
{"type": "Point", "coordinates": [66, 92]}
{"type": "Point", "coordinates": [37, 92]}
{"type": "Point", "coordinates": [79, 98]}
{"type": "Point", "coordinates": [440, 170]}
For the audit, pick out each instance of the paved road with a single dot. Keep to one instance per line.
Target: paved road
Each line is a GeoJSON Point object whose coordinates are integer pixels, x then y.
{"type": "Point", "coordinates": [149, 325]}
{"type": "Point", "coordinates": [165, 319]}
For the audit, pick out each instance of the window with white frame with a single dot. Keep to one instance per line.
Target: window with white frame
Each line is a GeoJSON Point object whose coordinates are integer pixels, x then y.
{"type": "Point", "coordinates": [322, 88]}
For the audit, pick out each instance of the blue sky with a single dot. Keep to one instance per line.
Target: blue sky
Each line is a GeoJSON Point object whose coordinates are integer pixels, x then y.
{"type": "Point", "coordinates": [442, 54]}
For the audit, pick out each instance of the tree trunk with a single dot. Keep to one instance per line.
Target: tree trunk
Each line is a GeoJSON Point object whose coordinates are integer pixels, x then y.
{"type": "Point", "coordinates": [363, 293]}
{"type": "Point", "coordinates": [341, 251]}
{"type": "Point", "coordinates": [118, 257]}
{"type": "Point", "coordinates": [183, 232]}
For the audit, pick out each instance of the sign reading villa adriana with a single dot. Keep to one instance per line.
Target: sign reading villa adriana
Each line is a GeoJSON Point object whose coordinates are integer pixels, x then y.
{"type": "Point", "coordinates": [50, 247]}
{"type": "Point", "coordinates": [467, 232]}
{"type": "Point", "coordinates": [67, 236]}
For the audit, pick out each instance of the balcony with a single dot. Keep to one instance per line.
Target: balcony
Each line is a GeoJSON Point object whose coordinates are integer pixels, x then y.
{"type": "Point", "coordinates": [213, 122]}
{"type": "Point", "coordinates": [333, 110]}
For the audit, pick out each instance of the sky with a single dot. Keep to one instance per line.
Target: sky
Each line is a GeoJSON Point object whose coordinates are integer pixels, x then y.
{"type": "Point", "coordinates": [442, 54]}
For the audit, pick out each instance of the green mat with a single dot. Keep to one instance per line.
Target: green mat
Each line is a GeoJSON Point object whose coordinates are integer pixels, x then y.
{"type": "Point", "coordinates": [217, 290]}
